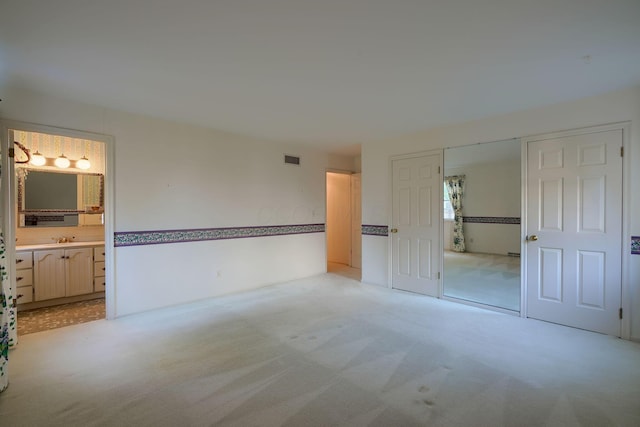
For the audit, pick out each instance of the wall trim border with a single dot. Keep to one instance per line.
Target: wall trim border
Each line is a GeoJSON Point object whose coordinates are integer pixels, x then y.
{"type": "Point", "coordinates": [156, 237]}
{"type": "Point", "coordinates": [491, 220]}
{"type": "Point", "coordinates": [375, 230]}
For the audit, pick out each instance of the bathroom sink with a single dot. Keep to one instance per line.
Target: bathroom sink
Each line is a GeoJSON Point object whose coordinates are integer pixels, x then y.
{"type": "Point", "coordinates": [68, 244]}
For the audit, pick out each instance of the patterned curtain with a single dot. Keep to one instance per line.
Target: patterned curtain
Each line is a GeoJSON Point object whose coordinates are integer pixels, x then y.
{"type": "Point", "coordinates": [8, 333]}
{"type": "Point", "coordinates": [455, 186]}
{"type": "Point", "coordinates": [7, 318]}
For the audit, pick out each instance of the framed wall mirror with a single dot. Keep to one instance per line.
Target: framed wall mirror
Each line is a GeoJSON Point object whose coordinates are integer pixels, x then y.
{"type": "Point", "coordinates": [56, 198]}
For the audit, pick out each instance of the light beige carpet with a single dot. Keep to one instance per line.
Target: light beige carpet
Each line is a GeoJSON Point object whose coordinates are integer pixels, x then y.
{"type": "Point", "coordinates": [322, 351]}
{"type": "Point", "coordinates": [483, 278]}
{"type": "Point", "coordinates": [344, 270]}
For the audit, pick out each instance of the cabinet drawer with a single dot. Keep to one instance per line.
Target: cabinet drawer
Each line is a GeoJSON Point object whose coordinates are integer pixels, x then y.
{"type": "Point", "coordinates": [24, 278]}
{"type": "Point", "coordinates": [24, 260]}
{"type": "Point", "coordinates": [24, 294]}
{"type": "Point", "coordinates": [98, 269]}
{"type": "Point", "coordinates": [99, 284]}
{"type": "Point", "coordinates": [98, 253]}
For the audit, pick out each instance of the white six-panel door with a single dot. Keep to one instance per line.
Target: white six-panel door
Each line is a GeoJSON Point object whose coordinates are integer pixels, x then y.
{"type": "Point", "coordinates": [574, 229]}
{"type": "Point", "coordinates": [415, 230]}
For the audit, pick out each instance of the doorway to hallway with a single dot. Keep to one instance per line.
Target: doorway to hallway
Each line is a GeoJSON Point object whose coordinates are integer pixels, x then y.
{"type": "Point", "coordinates": [343, 224]}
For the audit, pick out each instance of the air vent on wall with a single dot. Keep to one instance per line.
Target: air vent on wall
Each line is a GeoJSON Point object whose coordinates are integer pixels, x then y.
{"type": "Point", "coordinates": [291, 160]}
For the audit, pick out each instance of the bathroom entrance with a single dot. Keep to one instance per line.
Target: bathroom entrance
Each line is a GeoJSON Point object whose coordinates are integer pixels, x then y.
{"type": "Point", "coordinates": [56, 189]}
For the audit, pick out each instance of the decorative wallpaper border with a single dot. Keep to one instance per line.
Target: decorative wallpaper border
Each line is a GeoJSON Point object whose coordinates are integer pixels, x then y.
{"type": "Point", "coordinates": [635, 245]}
{"type": "Point", "coordinates": [491, 220]}
{"type": "Point", "coordinates": [375, 230]}
{"type": "Point", "coordinates": [138, 238]}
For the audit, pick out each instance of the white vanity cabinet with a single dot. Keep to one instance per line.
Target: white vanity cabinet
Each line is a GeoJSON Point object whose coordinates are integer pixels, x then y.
{"type": "Point", "coordinates": [50, 275]}
{"type": "Point", "coordinates": [98, 269]}
{"type": "Point", "coordinates": [62, 273]}
{"type": "Point", "coordinates": [24, 277]}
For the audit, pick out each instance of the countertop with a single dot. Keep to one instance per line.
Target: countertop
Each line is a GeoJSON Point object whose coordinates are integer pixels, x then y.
{"type": "Point", "coordinates": [45, 246]}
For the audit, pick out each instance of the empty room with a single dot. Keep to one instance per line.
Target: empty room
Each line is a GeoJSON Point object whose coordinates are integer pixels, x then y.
{"type": "Point", "coordinates": [293, 213]}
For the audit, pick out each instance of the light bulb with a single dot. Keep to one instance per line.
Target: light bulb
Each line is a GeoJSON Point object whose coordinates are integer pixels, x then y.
{"type": "Point", "coordinates": [62, 162]}
{"type": "Point", "coordinates": [83, 163]}
{"type": "Point", "coordinates": [38, 159]}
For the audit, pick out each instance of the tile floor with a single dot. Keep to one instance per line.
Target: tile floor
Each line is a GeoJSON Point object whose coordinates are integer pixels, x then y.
{"type": "Point", "coordinates": [59, 316]}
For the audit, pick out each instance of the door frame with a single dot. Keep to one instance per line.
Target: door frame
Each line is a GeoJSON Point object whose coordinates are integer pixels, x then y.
{"type": "Point", "coordinates": [9, 197]}
{"type": "Point", "coordinates": [625, 127]}
{"type": "Point", "coordinates": [356, 221]}
{"type": "Point", "coordinates": [436, 152]}
{"type": "Point", "coordinates": [326, 210]}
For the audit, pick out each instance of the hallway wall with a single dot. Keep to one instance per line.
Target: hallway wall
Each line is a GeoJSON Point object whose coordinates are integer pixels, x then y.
{"type": "Point", "coordinates": [339, 218]}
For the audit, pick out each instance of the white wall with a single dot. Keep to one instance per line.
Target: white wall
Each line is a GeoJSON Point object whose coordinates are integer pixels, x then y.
{"type": "Point", "coordinates": [175, 176]}
{"type": "Point", "coordinates": [339, 218]}
{"type": "Point", "coordinates": [608, 108]}
{"type": "Point", "coordinates": [162, 275]}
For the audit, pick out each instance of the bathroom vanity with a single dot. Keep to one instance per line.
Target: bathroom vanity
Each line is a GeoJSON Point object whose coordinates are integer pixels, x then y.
{"type": "Point", "coordinates": [55, 273]}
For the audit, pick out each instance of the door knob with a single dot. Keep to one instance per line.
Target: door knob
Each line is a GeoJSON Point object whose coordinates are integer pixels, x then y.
{"type": "Point", "coordinates": [533, 237]}
{"type": "Point", "coordinates": [394, 230]}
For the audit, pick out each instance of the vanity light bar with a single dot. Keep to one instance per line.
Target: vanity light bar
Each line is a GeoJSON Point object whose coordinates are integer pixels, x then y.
{"type": "Point", "coordinates": [61, 162]}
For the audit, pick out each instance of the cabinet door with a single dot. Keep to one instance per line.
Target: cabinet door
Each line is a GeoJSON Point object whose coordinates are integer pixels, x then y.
{"type": "Point", "coordinates": [49, 274]}
{"type": "Point", "coordinates": [79, 271]}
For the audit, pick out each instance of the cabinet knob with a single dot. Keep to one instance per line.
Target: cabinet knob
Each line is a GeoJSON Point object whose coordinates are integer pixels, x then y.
{"type": "Point", "coordinates": [18, 261]}
{"type": "Point", "coordinates": [18, 279]}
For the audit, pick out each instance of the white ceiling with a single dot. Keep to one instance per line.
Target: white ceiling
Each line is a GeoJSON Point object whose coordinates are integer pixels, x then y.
{"type": "Point", "coordinates": [333, 73]}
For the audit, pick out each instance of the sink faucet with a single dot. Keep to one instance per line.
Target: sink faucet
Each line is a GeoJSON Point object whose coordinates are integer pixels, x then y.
{"type": "Point", "coordinates": [62, 239]}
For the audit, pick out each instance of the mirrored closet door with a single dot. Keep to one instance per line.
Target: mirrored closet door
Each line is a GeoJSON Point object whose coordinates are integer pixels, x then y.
{"type": "Point", "coordinates": [482, 224]}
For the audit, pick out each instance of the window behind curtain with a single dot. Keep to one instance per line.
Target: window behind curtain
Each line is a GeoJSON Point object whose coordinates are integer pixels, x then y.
{"type": "Point", "coordinates": [448, 209]}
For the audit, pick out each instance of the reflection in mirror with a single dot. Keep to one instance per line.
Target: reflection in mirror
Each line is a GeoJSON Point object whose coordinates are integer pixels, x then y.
{"type": "Point", "coordinates": [482, 224]}
{"type": "Point", "coordinates": [44, 190]}
{"type": "Point", "coordinates": [53, 198]}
